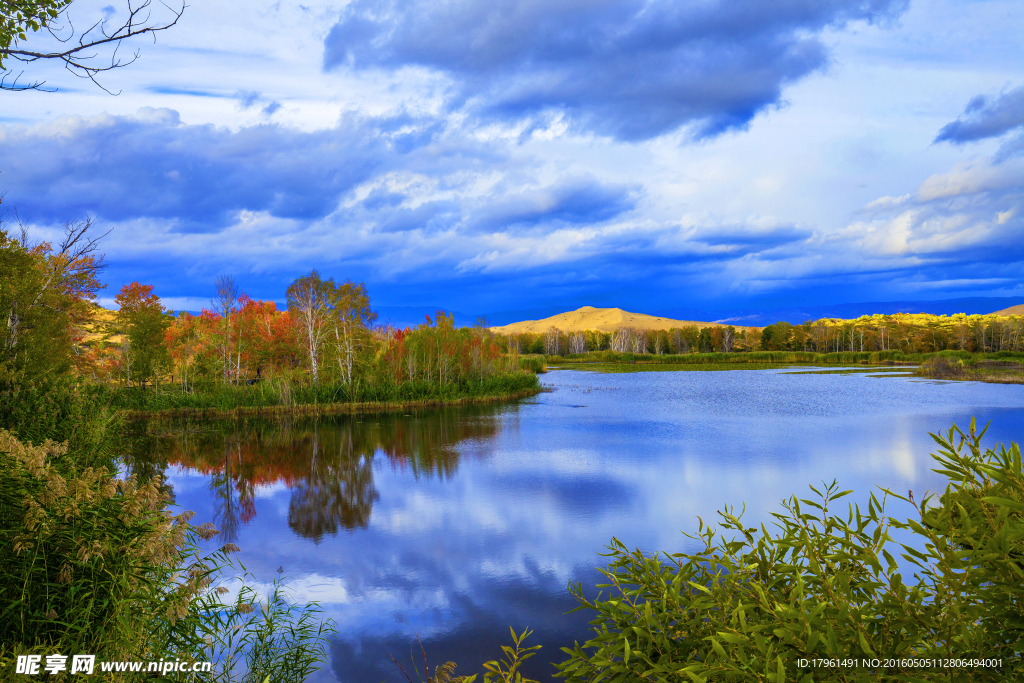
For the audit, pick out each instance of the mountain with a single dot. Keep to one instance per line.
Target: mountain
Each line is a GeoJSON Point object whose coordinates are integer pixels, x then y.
{"type": "Point", "coordinates": [1012, 310]}
{"type": "Point", "coordinates": [796, 315]}
{"type": "Point", "coordinates": [602, 319]}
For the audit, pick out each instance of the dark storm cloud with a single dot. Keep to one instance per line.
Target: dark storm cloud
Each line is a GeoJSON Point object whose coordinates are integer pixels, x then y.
{"type": "Point", "coordinates": [986, 117]}
{"type": "Point", "coordinates": [153, 166]}
{"type": "Point", "coordinates": [736, 239]}
{"type": "Point", "coordinates": [568, 202]}
{"type": "Point", "coordinates": [579, 201]}
{"type": "Point", "coordinates": [633, 69]}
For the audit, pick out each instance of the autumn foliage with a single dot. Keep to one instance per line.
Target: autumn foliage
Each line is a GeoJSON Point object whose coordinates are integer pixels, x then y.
{"type": "Point", "coordinates": [326, 337]}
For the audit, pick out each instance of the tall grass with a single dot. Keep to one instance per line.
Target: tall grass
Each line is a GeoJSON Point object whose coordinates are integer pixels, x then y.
{"type": "Point", "coordinates": [63, 410]}
{"type": "Point", "coordinates": [98, 565]}
{"type": "Point", "coordinates": [253, 639]}
{"type": "Point", "coordinates": [284, 393]}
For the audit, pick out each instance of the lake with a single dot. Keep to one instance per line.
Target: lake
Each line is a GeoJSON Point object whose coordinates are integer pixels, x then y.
{"type": "Point", "coordinates": [455, 524]}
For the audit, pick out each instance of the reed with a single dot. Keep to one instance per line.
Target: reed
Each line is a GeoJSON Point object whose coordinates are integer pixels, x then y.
{"type": "Point", "coordinates": [99, 565]}
{"type": "Point", "coordinates": [282, 396]}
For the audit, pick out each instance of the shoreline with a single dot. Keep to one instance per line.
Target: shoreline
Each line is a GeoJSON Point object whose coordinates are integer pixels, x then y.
{"type": "Point", "coordinates": [317, 409]}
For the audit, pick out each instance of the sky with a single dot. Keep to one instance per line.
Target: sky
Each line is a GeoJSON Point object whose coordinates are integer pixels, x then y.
{"type": "Point", "coordinates": [498, 157]}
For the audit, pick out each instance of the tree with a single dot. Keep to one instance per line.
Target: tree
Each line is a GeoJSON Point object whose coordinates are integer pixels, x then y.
{"type": "Point", "coordinates": [728, 338]}
{"type": "Point", "coordinates": [351, 318]}
{"type": "Point", "coordinates": [144, 322]}
{"type": "Point", "coordinates": [77, 51]}
{"type": "Point", "coordinates": [308, 301]}
{"type": "Point", "coordinates": [45, 296]}
{"type": "Point", "coordinates": [224, 304]}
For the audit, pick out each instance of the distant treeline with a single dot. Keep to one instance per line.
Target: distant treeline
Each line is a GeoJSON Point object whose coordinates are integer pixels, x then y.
{"type": "Point", "coordinates": [902, 332]}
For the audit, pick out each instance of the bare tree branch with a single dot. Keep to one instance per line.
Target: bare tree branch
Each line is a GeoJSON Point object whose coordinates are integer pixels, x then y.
{"type": "Point", "coordinates": [80, 57]}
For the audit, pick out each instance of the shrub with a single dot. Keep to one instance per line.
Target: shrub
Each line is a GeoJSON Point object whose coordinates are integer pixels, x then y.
{"type": "Point", "coordinates": [92, 564]}
{"type": "Point", "coordinates": [942, 366]}
{"type": "Point", "coordinates": [752, 604]}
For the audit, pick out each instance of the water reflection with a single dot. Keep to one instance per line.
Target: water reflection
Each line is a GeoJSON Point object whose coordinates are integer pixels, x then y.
{"type": "Point", "coordinates": [463, 522]}
{"type": "Point", "coordinates": [327, 464]}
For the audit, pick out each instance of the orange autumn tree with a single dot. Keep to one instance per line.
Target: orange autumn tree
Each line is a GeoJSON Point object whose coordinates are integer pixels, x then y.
{"type": "Point", "coordinates": [268, 337]}
{"type": "Point", "coordinates": [263, 342]}
{"type": "Point", "coordinates": [189, 342]}
{"type": "Point", "coordinates": [143, 321]}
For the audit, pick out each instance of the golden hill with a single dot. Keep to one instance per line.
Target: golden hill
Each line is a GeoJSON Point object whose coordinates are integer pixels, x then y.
{"type": "Point", "coordinates": [1012, 310]}
{"type": "Point", "coordinates": [601, 319]}
{"type": "Point", "coordinates": [100, 327]}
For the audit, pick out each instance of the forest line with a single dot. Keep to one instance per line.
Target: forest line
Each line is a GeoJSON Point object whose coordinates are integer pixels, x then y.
{"type": "Point", "coordinates": [911, 333]}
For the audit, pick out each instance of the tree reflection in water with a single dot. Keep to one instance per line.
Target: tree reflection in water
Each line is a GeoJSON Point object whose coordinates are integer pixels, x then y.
{"type": "Point", "coordinates": [328, 463]}
{"type": "Point", "coordinates": [337, 491]}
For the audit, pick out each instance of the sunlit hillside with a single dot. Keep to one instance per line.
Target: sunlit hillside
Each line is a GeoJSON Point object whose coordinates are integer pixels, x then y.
{"type": "Point", "coordinates": [1012, 310]}
{"type": "Point", "coordinates": [601, 319]}
{"type": "Point", "coordinates": [100, 328]}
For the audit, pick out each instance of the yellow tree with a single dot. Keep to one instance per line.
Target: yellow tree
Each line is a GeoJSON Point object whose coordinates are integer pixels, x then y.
{"type": "Point", "coordinates": [351, 318]}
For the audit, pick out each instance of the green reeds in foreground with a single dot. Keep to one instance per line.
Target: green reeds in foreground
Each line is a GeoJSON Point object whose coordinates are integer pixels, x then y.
{"type": "Point", "coordinates": [505, 670]}
{"type": "Point", "coordinates": [820, 596]}
{"type": "Point", "coordinates": [91, 564]}
{"type": "Point", "coordinates": [253, 639]}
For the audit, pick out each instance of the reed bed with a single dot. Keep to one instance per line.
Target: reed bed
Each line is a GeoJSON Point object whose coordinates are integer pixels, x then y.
{"type": "Point", "coordinates": [283, 396]}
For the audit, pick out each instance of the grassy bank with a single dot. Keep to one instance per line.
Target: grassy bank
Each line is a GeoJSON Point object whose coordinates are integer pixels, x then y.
{"type": "Point", "coordinates": [1006, 370]}
{"type": "Point", "coordinates": [285, 396]}
{"type": "Point", "coordinates": [776, 358]}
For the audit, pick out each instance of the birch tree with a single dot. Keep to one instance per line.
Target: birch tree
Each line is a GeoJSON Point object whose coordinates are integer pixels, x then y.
{"type": "Point", "coordinates": [224, 304]}
{"type": "Point", "coordinates": [577, 343]}
{"type": "Point", "coordinates": [728, 338]}
{"type": "Point", "coordinates": [308, 302]}
{"type": "Point", "coordinates": [351, 318]}
{"type": "Point", "coordinates": [551, 341]}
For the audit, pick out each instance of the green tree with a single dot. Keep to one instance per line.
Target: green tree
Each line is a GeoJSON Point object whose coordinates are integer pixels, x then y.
{"type": "Point", "coordinates": [45, 295]}
{"type": "Point", "coordinates": [143, 322]}
{"type": "Point", "coordinates": [776, 337]}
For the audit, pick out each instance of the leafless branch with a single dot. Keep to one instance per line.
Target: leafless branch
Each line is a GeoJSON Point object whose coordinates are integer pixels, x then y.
{"type": "Point", "coordinates": [78, 58]}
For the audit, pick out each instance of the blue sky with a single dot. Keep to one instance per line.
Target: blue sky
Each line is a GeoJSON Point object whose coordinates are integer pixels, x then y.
{"type": "Point", "coordinates": [499, 155]}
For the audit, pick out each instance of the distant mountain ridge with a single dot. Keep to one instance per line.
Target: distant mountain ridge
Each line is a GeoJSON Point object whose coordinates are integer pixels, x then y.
{"type": "Point", "coordinates": [797, 315]}
{"type": "Point", "coordinates": [601, 319]}
{"type": "Point", "coordinates": [403, 316]}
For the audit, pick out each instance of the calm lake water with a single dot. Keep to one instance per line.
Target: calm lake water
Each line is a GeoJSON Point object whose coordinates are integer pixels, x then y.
{"type": "Point", "coordinates": [456, 524]}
